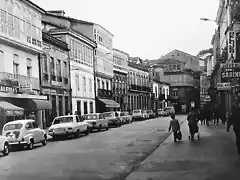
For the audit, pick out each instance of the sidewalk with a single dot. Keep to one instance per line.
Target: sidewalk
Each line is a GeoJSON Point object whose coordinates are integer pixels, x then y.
{"type": "Point", "coordinates": [214, 157]}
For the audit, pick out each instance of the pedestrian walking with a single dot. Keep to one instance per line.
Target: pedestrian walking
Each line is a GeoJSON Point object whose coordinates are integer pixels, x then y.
{"type": "Point", "coordinates": [192, 123]}
{"type": "Point", "coordinates": [234, 121]}
{"type": "Point", "coordinates": [175, 126]}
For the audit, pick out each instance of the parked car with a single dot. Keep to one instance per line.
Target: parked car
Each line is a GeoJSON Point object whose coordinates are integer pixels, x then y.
{"type": "Point", "coordinates": [145, 114]}
{"type": "Point", "coordinates": [122, 118]}
{"type": "Point", "coordinates": [96, 120]}
{"type": "Point", "coordinates": [128, 117]}
{"type": "Point", "coordinates": [113, 119]}
{"type": "Point", "coordinates": [24, 133]}
{"type": "Point", "coordinates": [161, 112]}
{"type": "Point", "coordinates": [70, 125]}
{"type": "Point", "coordinates": [150, 114]}
{"type": "Point", "coordinates": [137, 115]}
{"type": "Point", "coordinates": [4, 145]}
{"type": "Point", "coordinates": [169, 110]}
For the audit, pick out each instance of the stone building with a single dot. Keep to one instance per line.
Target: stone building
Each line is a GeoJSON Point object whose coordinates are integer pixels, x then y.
{"type": "Point", "coordinates": [55, 75]}
{"type": "Point", "coordinates": [119, 82]}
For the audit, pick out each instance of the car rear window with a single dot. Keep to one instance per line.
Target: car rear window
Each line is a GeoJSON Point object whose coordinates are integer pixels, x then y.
{"type": "Point", "coordinates": [13, 127]}
{"type": "Point", "coordinates": [108, 114]}
{"type": "Point", "coordinates": [90, 117]}
{"type": "Point", "coordinates": [136, 111]}
{"type": "Point", "coordinates": [60, 120]}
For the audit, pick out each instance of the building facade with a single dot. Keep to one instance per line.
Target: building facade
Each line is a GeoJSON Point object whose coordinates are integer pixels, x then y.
{"type": "Point", "coordinates": [103, 58]}
{"type": "Point", "coordinates": [138, 86]}
{"type": "Point", "coordinates": [20, 45]}
{"type": "Point", "coordinates": [184, 86]}
{"type": "Point", "coordinates": [190, 61]}
{"type": "Point", "coordinates": [119, 82]}
{"type": "Point", "coordinates": [82, 60]}
{"type": "Point", "coordinates": [55, 75]}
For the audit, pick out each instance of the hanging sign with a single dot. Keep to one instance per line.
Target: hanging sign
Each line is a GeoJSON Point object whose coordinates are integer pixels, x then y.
{"type": "Point", "coordinates": [223, 86]}
{"type": "Point", "coordinates": [231, 45]}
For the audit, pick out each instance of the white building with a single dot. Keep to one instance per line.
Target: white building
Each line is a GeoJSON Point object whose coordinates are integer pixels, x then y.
{"type": "Point", "coordinates": [81, 60]}
{"type": "Point", "coordinates": [20, 44]}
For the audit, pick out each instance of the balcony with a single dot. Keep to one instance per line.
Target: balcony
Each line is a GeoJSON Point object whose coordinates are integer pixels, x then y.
{"type": "Point", "coordinates": [45, 76]}
{"type": "Point", "coordinates": [59, 78]}
{"type": "Point", "coordinates": [65, 80]}
{"type": "Point", "coordinates": [53, 77]}
{"type": "Point", "coordinates": [134, 87]}
{"type": "Point", "coordinates": [103, 93]}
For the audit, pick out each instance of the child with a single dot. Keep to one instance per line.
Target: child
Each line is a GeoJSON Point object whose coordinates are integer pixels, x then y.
{"type": "Point", "coordinates": [175, 126]}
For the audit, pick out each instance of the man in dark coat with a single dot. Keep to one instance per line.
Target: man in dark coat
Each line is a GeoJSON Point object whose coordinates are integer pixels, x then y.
{"type": "Point", "coordinates": [235, 122]}
{"type": "Point", "coordinates": [192, 122]}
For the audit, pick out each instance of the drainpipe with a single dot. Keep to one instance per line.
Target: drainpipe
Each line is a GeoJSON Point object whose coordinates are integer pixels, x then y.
{"type": "Point", "coordinates": [94, 79]}
{"type": "Point", "coordinates": [70, 86]}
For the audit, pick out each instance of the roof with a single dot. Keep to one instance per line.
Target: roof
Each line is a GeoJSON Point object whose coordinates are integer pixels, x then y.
{"type": "Point", "coordinates": [77, 20]}
{"type": "Point", "coordinates": [161, 82]}
{"type": "Point", "coordinates": [22, 121]}
{"type": "Point", "coordinates": [180, 52]}
{"type": "Point", "coordinates": [35, 6]}
{"type": "Point", "coordinates": [120, 51]}
{"type": "Point", "coordinates": [168, 61]}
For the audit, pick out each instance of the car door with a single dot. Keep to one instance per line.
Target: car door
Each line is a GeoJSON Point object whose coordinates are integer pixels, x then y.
{"type": "Point", "coordinates": [81, 124]}
{"type": "Point", "coordinates": [30, 130]}
{"type": "Point", "coordinates": [37, 132]}
{"type": "Point", "coordinates": [103, 121]}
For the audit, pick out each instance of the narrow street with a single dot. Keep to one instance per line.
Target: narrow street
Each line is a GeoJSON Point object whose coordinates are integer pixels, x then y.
{"type": "Point", "coordinates": [109, 154]}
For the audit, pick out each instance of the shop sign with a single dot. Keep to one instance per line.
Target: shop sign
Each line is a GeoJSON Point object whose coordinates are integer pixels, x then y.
{"type": "Point", "coordinates": [17, 90]}
{"type": "Point", "coordinates": [231, 45]}
{"type": "Point", "coordinates": [224, 86]}
{"type": "Point", "coordinates": [230, 74]}
{"type": "Point", "coordinates": [8, 89]}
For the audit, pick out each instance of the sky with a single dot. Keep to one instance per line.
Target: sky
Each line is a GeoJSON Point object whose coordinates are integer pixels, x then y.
{"type": "Point", "coordinates": [147, 28]}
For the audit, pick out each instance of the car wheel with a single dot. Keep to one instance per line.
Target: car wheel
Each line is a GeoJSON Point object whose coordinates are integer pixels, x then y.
{"type": "Point", "coordinates": [99, 128]}
{"type": "Point", "coordinates": [107, 127]}
{"type": "Point", "coordinates": [77, 134]}
{"type": "Point", "coordinates": [87, 131]}
{"type": "Point", "coordinates": [44, 142]}
{"type": "Point", "coordinates": [30, 145]}
{"type": "Point", "coordinates": [5, 150]}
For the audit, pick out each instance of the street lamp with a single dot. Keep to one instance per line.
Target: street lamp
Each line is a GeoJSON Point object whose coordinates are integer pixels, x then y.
{"type": "Point", "coordinates": [206, 19]}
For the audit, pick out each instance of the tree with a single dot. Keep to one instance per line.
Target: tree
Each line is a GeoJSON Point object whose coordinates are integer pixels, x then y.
{"type": "Point", "coordinates": [205, 51]}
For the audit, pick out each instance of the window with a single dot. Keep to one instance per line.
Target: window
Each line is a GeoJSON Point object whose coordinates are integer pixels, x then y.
{"type": "Point", "coordinates": [77, 82]}
{"type": "Point", "coordinates": [98, 84]}
{"type": "Point", "coordinates": [107, 85]}
{"type": "Point", "coordinates": [29, 71]}
{"type": "Point", "coordinates": [91, 107]}
{"type": "Point", "coordinates": [35, 126]}
{"type": "Point", "coordinates": [65, 70]}
{"type": "Point", "coordinates": [59, 68]}
{"type": "Point", "coordinates": [175, 93]}
{"type": "Point", "coordinates": [103, 85]}
{"type": "Point", "coordinates": [85, 107]}
{"type": "Point", "coordinates": [84, 84]}
{"type": "Point", "coordinates": [45, 64]}
{"type": "Point", "coordinates": [52, 66]}
{"type": "Point", "coordinates": [90, 85]}
{"type": "Point", "coordinates": [15, 70]}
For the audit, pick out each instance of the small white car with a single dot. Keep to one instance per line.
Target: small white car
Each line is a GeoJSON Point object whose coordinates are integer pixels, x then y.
{"type": "Point", "coordinates": [127, 117]}
{"type": "Point", "coordinates": [24, 133]}
{"type": "Point", "coordinates": [69, 125]}
{"type": "Point", "coordinates": [169, 110]}
{"type": "Point", "coordinates": [145, 114]}
{"type": "Point", "coordinates": [96, 120]}
{"type": "Point", "coordinates": [121, 117]}
{"type": "Point", "coordinates": [138, 115]}
{"type": "Point", "coordinates": [4, 145]}
{"type": "Point", "coordinates": [161, 112]}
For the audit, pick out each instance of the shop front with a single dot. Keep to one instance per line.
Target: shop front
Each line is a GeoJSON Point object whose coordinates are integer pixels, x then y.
{"type": "Point", "coordinates": [60, 100]}
{"type": "Point", "coordinates": [28, 100]}
{"type": "Point", "coordinates": [9, 112]}
{"type": "Point", "coordinates": [105, 105]}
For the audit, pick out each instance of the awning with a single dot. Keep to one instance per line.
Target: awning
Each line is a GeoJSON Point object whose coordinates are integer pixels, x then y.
{"type": "Point", "coordinates": [110, 103]}
{"type": "Point", "coordinates": [35, 104]}
{"type": "Point", "coordinates": [10, 109]}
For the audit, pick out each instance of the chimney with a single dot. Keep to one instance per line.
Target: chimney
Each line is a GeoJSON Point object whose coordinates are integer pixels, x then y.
{"type": "Point", "coordinates": [57, 12]}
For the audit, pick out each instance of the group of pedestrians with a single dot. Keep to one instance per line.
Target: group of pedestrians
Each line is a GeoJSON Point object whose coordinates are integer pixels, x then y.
{"type": "Point", "coordinates": [205, 116]}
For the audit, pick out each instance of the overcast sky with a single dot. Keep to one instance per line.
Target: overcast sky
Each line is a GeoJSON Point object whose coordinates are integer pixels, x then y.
{"type": "Point", "coordinates": [147, 28]}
